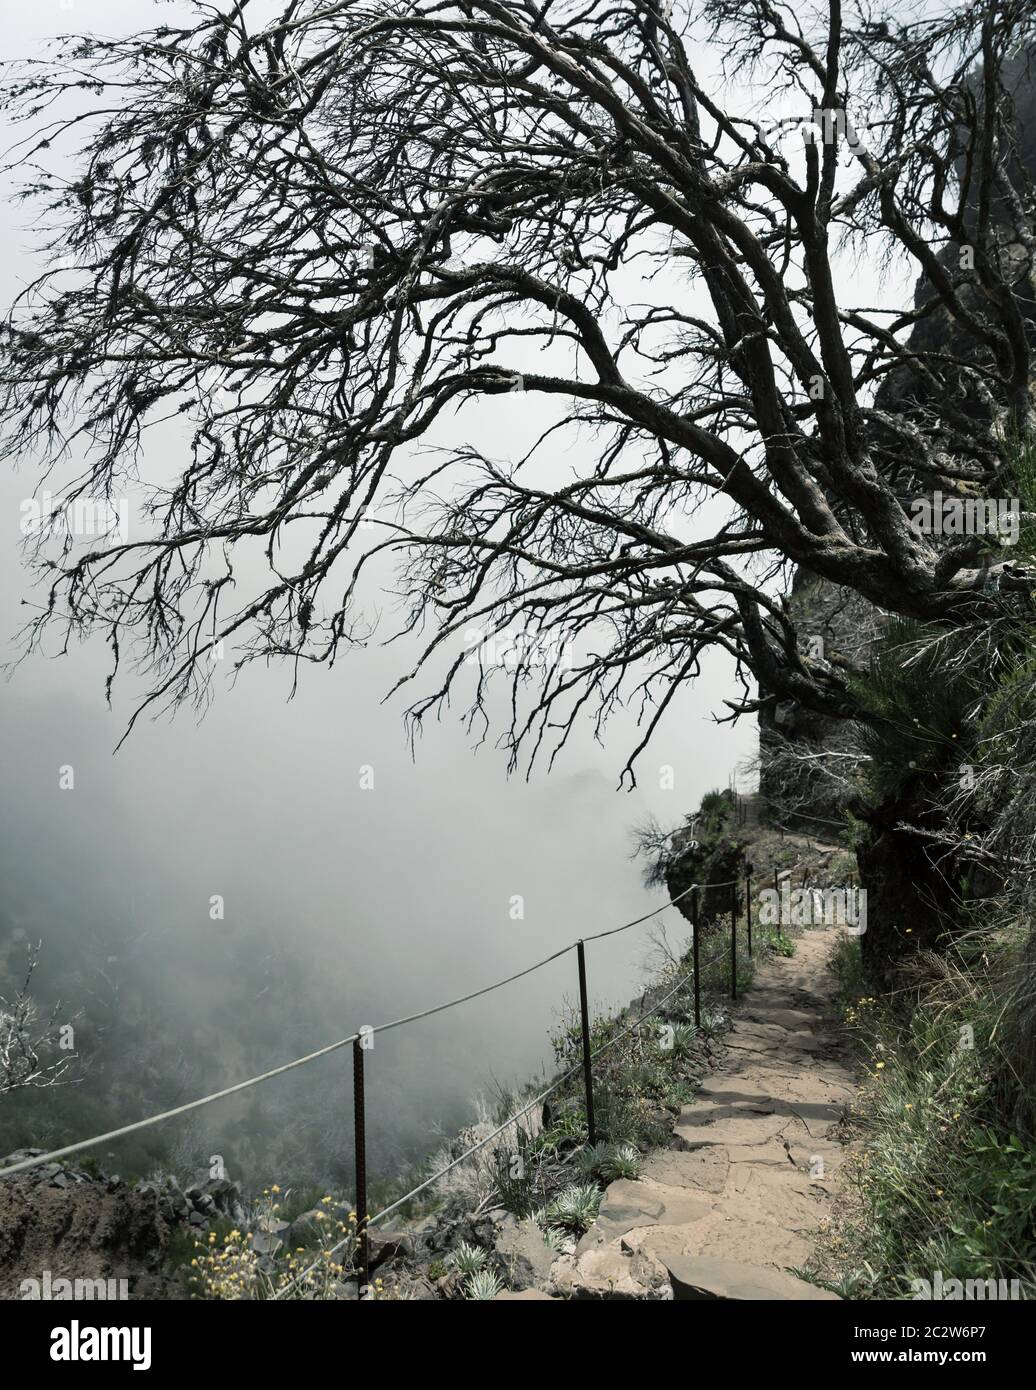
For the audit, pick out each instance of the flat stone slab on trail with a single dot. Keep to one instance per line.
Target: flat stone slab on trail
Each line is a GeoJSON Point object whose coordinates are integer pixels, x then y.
{"type": "Point", "coordinates": [733, 1232]}
{"type": "Point", "coordinates": [627, 1205]}
{"type": "Point", "coordinates": [694, 1277]}
{"type": "Point", "coordinates": [734, 1091]}
{"type": "Point", "coordinates": [706, 1170]}
{"type": "Point", "coordinates": [611, 1273]}
{"type": "Point", "coordinates": [771, 1037]}
{"type": "Point", "coordinates": [793, 1019]}
{"type": "Point", "coordinates": [738, 1129]}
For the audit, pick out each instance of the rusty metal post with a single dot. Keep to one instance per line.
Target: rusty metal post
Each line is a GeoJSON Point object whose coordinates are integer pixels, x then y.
{"type": "Point", "coordinates": [584, 1011]}
{"type": "Point", "coordinates": [359, 1129]}
{"type": "Point", "coordinates": [733, 939]}
{"type": "Point", "coordinates": [697, 958]}
{"type": "Point", "coordinates": [748, 908]}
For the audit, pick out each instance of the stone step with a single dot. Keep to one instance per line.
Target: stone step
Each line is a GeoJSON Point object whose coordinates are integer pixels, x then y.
{"type": "Point", "coordinates": [732, 1232]}
{"type": "Point", "coordinates": [703, 1170]}
{"type": "Point", "coordinates": [694, 1129]}
{"type": "Point", "coordinates": [702, 1276]}
{"type": "Point", "coordinates": [628, 1204]}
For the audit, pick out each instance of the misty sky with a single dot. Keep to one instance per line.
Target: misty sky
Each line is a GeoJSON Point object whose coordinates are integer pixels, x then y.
{"type": "Point", "coordinates": [397, 896]}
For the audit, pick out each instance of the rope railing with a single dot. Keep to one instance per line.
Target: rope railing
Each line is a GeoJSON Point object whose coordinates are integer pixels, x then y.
{"type": "Point", "coordinates": [512, 1119]}
{"type": "Point", "coordinates": [362, 1041]}
{"type": "Point", "coordinates": [482, 1143]}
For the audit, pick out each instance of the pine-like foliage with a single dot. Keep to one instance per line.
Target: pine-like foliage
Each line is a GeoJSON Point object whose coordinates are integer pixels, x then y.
{"type": "Point", "coordinates": [921, 696]}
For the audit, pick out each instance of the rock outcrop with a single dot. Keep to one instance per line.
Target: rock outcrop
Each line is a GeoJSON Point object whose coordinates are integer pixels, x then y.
{"type": "Point", "coordinates": [60, 1223]}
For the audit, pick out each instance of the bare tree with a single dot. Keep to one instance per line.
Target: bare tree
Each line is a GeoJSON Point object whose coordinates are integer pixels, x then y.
{"type": "Point", "coordinates": [312, 239]}
{"type": "Point", "coordinates": [27, 1039]}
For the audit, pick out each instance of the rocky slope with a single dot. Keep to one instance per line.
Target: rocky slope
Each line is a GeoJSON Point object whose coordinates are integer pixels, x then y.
{"type": "Point", "coordinates": [63, 1223]}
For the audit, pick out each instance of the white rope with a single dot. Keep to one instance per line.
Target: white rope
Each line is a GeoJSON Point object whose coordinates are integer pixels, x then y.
{"type": "Point", "coordinates": [169, 1114]}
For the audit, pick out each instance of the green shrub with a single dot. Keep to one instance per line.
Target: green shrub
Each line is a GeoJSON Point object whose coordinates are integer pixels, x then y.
{"type": "Point", "coordinates": [846, 964]}
{"type": "Point", "coordinates": [467, 1259]}
{"type": "Point", "coordinates": [778, 941]}
{"type": "Point", "coordinates": [941, 1183]}
{"type": "Point", "coordinates": [609, 1161]}
{"type": "Point", "coordinates": [921, 696]}
{"type": "Point", "coordinates": [575, 1209]}
{"type": "Point", "coordinates": [483, 1285]}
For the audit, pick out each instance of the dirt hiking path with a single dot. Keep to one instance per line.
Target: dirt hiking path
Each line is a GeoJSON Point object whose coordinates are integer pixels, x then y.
{"type": "Point", "coordinates": [752, 1168]}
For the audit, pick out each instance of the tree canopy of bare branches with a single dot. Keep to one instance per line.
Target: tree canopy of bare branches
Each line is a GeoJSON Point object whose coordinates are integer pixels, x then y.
{"type": "Point", "coordinates": [311, 239]}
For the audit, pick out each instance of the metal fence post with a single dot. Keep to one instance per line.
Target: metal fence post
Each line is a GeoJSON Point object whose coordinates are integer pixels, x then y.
{"type": "Point", "coordinates": [748, 907]}
{"type": "Point", "coordinates": [733, 939]}
{"type": "Point", "coordinates": [588, 1079]}
{"type": "Point", "coordinates": [363, 1249]}
{"type": "Point", "coordinates": [777, 890]}
{"type": "Point", "coordinates": [697, 961]}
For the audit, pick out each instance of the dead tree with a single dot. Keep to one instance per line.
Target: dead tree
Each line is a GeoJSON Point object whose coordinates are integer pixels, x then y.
{"type": "Point", "coordinates": [29, 1043]}
{"type": "Point", "coordinates": [316, 243]}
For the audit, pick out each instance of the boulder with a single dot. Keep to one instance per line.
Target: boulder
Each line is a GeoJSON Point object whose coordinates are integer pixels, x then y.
{"type": "Point", "coordinates": [174, 1205]}
{"type": "Point", "coordinates": [606, 1272]}
{"type": "Point", "coordinates": [422, 1291]}
{"type": "Point", "coordinates": [263, 1242]}
{"type": "Point", "coordinates": [628, 1205]}
{"type": "Point", "coordinates": [305, 1225]}
{"type": "Point", "coordinates": [383, 1246]}
{"type": "Point", "coordinates": [525, 1257]}
{"type": "Point", "coordinates": [223, 1196]}
{"type": "Point", "coordinates": [19, 1156]}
